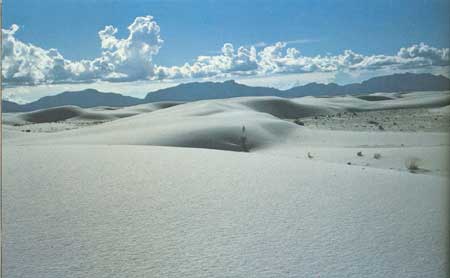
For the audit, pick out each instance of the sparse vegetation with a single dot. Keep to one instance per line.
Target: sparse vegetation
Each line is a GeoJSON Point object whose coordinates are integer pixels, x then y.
{"type": "Point", "coordinates": [412, 164]}
{"type": "Point", "coordinates": [297, 121]}
{"type": "Point", "coordinates": [359, 154]}
{"type": "Point", "coordinates": [377, 156]}
{"type": "Point", "coordinates": [310, 156]}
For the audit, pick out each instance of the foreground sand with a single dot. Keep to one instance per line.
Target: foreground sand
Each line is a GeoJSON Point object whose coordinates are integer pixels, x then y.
{"type": "Point", "coordinates": [126, 198]}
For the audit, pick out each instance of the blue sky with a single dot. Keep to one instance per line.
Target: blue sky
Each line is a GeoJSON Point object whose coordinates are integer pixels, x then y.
{"type": "Point", "coordinates": [194, 28]}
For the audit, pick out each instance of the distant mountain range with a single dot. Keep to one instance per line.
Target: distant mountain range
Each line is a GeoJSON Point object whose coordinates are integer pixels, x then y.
{"type": "Point", "coordinates": [405, 82]}
{"type": "Point", "coordinates": [85, 99]}
{"type": "Point", "coordinates": [209, 90]}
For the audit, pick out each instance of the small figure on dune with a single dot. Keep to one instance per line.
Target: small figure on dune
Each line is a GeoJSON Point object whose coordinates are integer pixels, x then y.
{"type": "Point", "coordinates": [244, 140]}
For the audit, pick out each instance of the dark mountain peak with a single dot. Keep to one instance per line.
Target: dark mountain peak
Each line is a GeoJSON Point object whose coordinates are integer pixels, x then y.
{"type": "Point", "coordinates": [208, 90]}
{"type": "Point", "coordinates": [404, 77]}
{"type": "Point", "coordinates": [407, 82]}
{"type": "Point", "coordinates": [10, 102]}
{"type": "Point", "coordinates": [315, 84]}
{"type": "Point", "coordinates": [11, 106]}
{"type": "Point", "coordinates": [85, 98]}
{"type": "Point", "coordinates": [398, 82]}
{"type": "Point", "coordinates": [311, 84]}
{"type": "Point", "coordinates": [88, 90]}
{"type": "Point", "coordinates": [208, 83]}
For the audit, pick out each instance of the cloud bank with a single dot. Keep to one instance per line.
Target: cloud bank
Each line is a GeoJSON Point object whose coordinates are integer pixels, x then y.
{"type": "Point", "coordinates": [278, 59]}
{"type": "Point", "coordinates": [131, 59]}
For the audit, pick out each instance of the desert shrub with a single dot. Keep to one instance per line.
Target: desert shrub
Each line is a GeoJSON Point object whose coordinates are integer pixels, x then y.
{"type": "Point", "coordinates": [377, 156]}
{"type": "Point", "coordinates": [359, 154]}
{"type": "Point", "coordinates": [412, 164]}
{"type": "Point", "coordinates": [310, 155]}
{"type": "Point", "coordinates": [299, 122]}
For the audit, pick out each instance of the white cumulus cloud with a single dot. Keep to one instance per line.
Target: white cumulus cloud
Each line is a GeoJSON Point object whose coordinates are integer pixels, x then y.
{"type": "Point", "coordinates": [126, 59]}
{"type": "Point", "coordinates": [28, 64]}
{"type": "Point", "coordinates": [244, 61]}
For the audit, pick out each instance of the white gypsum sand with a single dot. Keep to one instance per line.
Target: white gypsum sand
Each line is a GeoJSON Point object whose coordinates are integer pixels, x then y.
{"type": "Point", "coordinates": [170, 192]}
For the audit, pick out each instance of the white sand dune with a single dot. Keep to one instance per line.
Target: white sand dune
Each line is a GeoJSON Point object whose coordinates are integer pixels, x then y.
{"type": "Point", "coordinates": [445, 110]}
{"type": "Point", "coordinates": [217, 124]}
{"type": "Point", "coordinates": [207, 129]}
{"type": "Point", "coordinates": [75, 113]}
{"type": "Point", "coordinates": [398, 101]}
{"type": "Point", "coordinates": [147, 189]}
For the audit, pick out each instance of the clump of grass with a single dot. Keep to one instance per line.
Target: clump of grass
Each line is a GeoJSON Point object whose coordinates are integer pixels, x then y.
{"type": "Point", "coordinates": [359, 154]}
{"type": "Point", "coordinates": [376, 155]}
{"type": "Point", "coordinates": [310, 156]}
{"type": "Point", "coordinates": [412, 164]}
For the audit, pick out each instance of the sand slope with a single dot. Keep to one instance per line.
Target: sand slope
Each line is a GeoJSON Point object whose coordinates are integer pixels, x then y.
{"type": "Point", "coordinates": [82, 211]}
